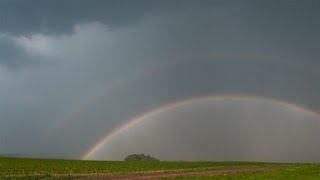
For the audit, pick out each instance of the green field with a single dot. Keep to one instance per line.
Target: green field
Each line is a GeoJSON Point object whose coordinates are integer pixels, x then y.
{"type": "Point", "coordinates": [22, 168]}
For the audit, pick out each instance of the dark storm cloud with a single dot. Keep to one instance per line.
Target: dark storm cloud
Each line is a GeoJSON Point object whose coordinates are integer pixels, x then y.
{"type": "Point", "coordinates": [60, 16]}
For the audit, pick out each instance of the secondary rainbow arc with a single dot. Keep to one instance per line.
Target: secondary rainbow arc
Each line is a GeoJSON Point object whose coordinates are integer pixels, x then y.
{"type": "Point", "coordinates": [305, 68]}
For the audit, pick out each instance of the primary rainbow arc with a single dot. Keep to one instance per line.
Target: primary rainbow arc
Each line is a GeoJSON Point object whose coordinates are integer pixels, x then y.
{"type": "Point", "coordinates": [107, 137]}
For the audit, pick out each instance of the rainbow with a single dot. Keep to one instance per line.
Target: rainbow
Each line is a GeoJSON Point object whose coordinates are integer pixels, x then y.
{"type": "Point", "coordinates": [141, 117]}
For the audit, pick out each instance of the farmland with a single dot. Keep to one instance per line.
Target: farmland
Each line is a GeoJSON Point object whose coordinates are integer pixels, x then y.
{"type": "Point", "coordinates": [22, 168]}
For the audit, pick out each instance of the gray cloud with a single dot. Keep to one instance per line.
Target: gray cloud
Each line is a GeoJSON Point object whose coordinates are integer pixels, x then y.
{"type": "Point", "coordinates": [20, 52]}
{"type": "Point", "coordinates": [11, 53]}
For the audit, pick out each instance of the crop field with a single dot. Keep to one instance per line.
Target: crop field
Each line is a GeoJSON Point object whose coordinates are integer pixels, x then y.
{"type": "Point", "coordinates": [23, 168]}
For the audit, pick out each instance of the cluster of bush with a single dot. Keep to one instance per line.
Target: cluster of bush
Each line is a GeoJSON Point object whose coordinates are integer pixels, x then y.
{"type": "Point", "coordinates": [140, 157]}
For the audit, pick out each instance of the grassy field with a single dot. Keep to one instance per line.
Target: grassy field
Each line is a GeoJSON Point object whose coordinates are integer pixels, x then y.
{"type": "Point", "coordinates": [21, 168]}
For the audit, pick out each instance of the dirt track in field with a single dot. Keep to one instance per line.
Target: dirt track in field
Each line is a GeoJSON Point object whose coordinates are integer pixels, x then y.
{"type": "Point", "coordinates": [174, 173]}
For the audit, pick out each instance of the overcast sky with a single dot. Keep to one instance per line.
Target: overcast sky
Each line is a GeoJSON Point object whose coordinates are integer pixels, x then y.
{"type": "Point", "coordinates": [73, 70]}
